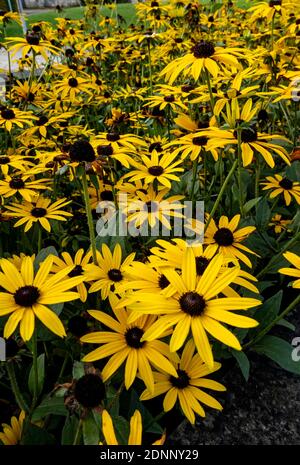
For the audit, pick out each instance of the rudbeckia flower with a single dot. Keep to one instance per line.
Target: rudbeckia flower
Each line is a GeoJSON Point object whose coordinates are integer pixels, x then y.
{"type": "Point", "coordinates": [155, 167]}
{"type": "Point", "coordinates": [152, 208]}
{"type": "Point", "coordinates": [26, 296]}
{"type": "Point", "coordinates": [12, 116]}
{"type": "Point", "coordinates": [124, 343]}
{"type": "Point", "coordinates": [187, 388]}
{"type": "Point", "coordinates": [110, 273]}
{"type": "Point", "coordinates": [31, 43]}
{"type": "Point", "coordinates": [196, 306]}
{"type": "Point", "coordinates": [295, 272]}
{"type": "Point", "coordinates": [282, 185]}
{"type": "Point", "coordinates": [11, 434]}
{"type": "Point", "coordinates": [226, 238]}
{"type": "Point", "coordinates": [22, 184]}
{"type": "Point", "coordinates": [251, 141]}
{"type": "Point", "coordinates": [279, 223]}
{"type": "Point", "coordinates": [40, 211]}
{"type": "Point", "coordinates": [204, 56]}
{"type": "Point", "coordinates": [78, 268]}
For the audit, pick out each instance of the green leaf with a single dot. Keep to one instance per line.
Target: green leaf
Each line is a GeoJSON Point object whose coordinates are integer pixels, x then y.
{"type": "Point", "coordinates": [78, 369]}
{"type": "Point", "coordinates": [121, 427]}
{"type": "Point", "coordinates": [286, 324]}
{"type": "Point", "coordinates": [91, 429]}
{"type": "Point", "coordinates": [149, 423]}
{"type": "Point", "coordinates": [266, 313]}
{"type": "Point", "coordinates": [69, 430]}
{"type": "Point", "coordinates": [250, 204]}
{"type": "Point", "coordinates": [35, 436]}
{"type": "Point", "coordinates": [41, 375]}
{"type": "Point", "coordinates": [50, 405]}
{"type": "Point", "coordinates": [279, 351]}
{"type": "Point", "coordinates": [263, 214]}
{"type": "Point", "coordinates": [43, 254]}
{"type": "Point", "coordinates": [243, 362]}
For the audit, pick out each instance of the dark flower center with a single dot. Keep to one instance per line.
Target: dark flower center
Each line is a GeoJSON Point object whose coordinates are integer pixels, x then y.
{"type": "Point", "coordinates": [201, 265]}
{"type": "Point", "coordinates": [115, 275]}
{"type": "Point", "coordinates": [163, 282]}
{"type": "Point", "coordinates": [151, 206]}
{"type": "Point", "coordinates": [107, 195]}
{"type": "Point", "coordinates": [73, 82]}
{"type": "Point", "coordinates": [133, 337]}
{"type": "Point", "coordinates": [192, 303]}
{"type": "Point", "coordinates": [203, 49]}
{"type": "Point", "coordinates": [286, 184]}
{"type": "Point", "coordinates": [26, 296]}
{"type": "Point", "coordinates": [169, 98]}
{"type": "Point", "coordinates": [82, 150]}
{"type": "Point", "coordinates": [112, 136]}
{"type": "Point", "coordinates": [155, 146]}
{"type": "Point", "coordinates": [4, 160]}
{"type": "Point", "coordinates": [42, 120]}
{"type": "Point", "coordinates": [262, 115]}
{"type": "Point", "coordinates": [154, 4]}
{"type": "Point", "coordinates": [155, 170]}
{"type": "Point", "coordinates": [32, 38]}
{"type": "Point", "coordinates": [17, 183]}
{"type": "Point", "coordinates": [30, 97]}
{"type": "Point", "coordinates": [274, 3]}
{"type": "Point", "coordinates": [187, 88]}
{"type": "Point", "coordinates": [201, 140]}
{"type": "Point", "coordinates": [224, 237]}
{"type": "Point", "coordinates": [77, 271]}
{"type": "Point", "coordinates": [89, 390]}
{"type": "Point", "coordinates": [178, 40]}
{"type": "Point", "coordinates": [105, 150]}
{"type": "Point", "coordinates": [182, 381]}
{"type": "Point", "coordinates": [38, 212]}
{"type": "Point", "coordinates": [8, 114]}
{"type": "Point", "coordinates": [247, 135]}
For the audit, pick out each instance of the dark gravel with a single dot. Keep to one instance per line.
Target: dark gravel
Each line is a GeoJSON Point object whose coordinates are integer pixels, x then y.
{"type": "Point", "coordinates": [264, 411]}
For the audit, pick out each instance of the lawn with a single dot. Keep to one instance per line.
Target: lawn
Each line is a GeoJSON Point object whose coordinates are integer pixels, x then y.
{"type": "Point", "coordinates": [127, 10]}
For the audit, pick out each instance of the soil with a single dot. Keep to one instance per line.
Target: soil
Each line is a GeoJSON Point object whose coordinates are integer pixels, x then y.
{"type": "Point", "coordinates": [263, 411]}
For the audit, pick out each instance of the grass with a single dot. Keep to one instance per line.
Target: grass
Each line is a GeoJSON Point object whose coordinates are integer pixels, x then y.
{"type": "Point", "coordinates": [127, 10]}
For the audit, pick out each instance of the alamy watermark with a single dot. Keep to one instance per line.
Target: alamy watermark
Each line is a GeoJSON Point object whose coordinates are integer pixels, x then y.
{"type": "Point", "coordinates": [137, 218]}
{"type": "Point", "coordinates": [2, 350]}
{"type": "Point", "coordinates": [296, 351]}
{"type": "Point", "coordinates": [295, 93]}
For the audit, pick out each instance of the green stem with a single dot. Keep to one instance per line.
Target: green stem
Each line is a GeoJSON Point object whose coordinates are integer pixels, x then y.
{"type": "Point", "coordinates": [150, 65]}
{"type": "Point", "coordinates": [220, 195]}
{"type": "Point", "coordinates": [239, 135]}
{"type": "Point", "coordinates": [257, 177]}
{"type": "Point", "coordinates": [211, 97]}
{"type": "Point", "coordinates": [39, 238]}
{"type": "Point", "coordinates": [77, 435]}
{"type": "Point", "coordinates": [262, 333]}
{"type": "Point", "coordinates": [274, 258]}
{"type": "Point", "coordinates": [89, 215]}
{"type": "Point", "coordinates": [195, 166]}
{"type": "Point", "coordinates": [35, 371]}
{"type": "Point", "coordinates": [14, 385]}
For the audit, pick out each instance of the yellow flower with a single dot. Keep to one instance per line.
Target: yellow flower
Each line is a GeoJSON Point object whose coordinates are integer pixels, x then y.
{"type": "Point", "coordinates": [187, 387]}
{"type": "Point", "coordinates": [294, 260]}
{"type": "Point", "coordinates": [12, 433]}
{"type": "Point", "coordinates": [39, 210]}
{"type": "Point", "coordinates": [23, 185]}
{"type": "Point", "coordinates": [26, 296]}
{"type": "Point", "coordinates": [78, 268]}
{"type": "Point", "coordinates": [13, 116]}
{"type": "Point", "coordinates": [110, 273]}
{"type": "Point", "coordinates": [125, 342]}
{"type": "Point", "coordinates": [196, 306]}
{"type": "Point", "coordinates": [227, 238]}
{"type": "Point", "coordinates": [283, 185]}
